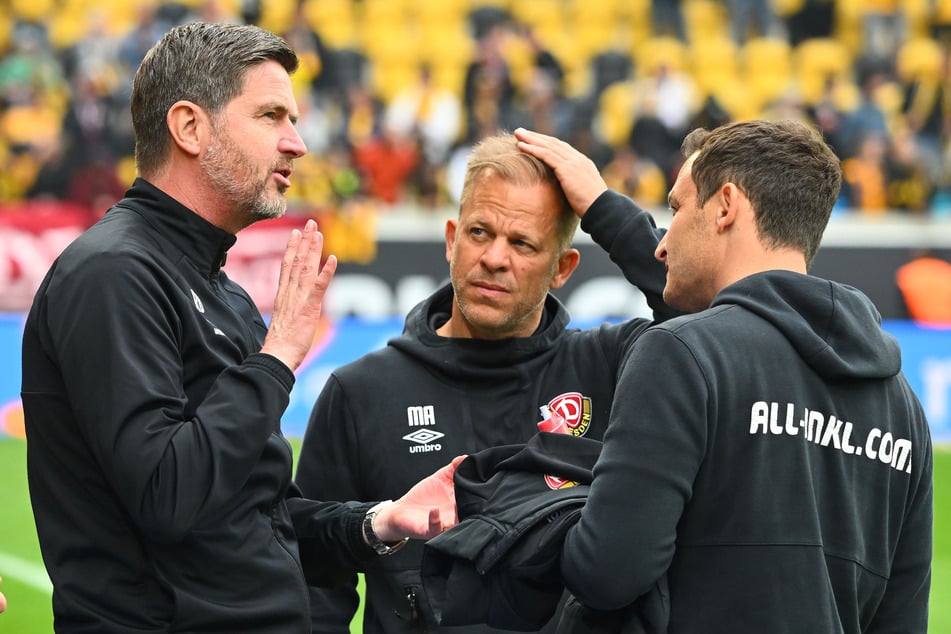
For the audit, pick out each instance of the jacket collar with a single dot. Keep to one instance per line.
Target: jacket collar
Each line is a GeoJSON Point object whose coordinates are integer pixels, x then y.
{"type": "Point", "coordinates": [202, 242]}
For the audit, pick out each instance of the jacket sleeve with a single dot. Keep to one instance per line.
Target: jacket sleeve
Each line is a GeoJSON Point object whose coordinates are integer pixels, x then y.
{"type": "Point", "coordinates": [629, 236]}
{"type": "Point", "coordinates": [327, 470]}
{"type": "Point", "coordinates": [330, 537]}
{"type": "Point", "coordinates": [175, 464]}
{"type": "Point", "coordinates": [624, 541]}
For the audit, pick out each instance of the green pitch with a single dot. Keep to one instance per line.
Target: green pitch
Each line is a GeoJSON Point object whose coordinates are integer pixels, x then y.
{"type": "Point", "coordinates": [28, 590]}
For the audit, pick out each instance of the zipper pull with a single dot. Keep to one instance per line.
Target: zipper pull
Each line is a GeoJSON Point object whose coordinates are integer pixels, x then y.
{"type": "Point", "coordinates": [411, 599]}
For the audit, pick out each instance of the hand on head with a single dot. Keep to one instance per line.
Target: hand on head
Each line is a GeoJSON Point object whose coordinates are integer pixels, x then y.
{"type": "Point", "coordinates": [579, 176]}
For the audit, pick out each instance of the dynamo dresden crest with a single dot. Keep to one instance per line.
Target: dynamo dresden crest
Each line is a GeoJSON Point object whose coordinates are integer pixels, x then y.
{"type": "Point", "coordinates": [554, 482]}
{"type": "Point", "coordinates": [575, 409]}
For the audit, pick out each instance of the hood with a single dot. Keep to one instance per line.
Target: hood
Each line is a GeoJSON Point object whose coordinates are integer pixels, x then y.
{"type": "Point", "coordinates": [835, 328]}
{"type": "Point", "coordinates": [478, 359]}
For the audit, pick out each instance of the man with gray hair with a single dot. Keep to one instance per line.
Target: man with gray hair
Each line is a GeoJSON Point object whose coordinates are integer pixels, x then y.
{"type": "Point", "coordinates": [153, 390]}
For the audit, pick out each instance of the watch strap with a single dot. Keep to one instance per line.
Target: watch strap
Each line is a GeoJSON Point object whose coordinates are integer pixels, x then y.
{"type": "Point", "coordinates": [377, 544]}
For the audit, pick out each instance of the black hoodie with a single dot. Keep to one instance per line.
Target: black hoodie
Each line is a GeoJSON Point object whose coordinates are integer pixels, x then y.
{"type": "Point", "coordinates": [770, 457]}
{"type": "Point", "coordinates": [397, 414]}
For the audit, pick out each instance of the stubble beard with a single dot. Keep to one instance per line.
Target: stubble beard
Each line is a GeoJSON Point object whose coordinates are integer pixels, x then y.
{"type": "Point", "coordinates": [491, 320]}
{"type": "Point", "coordinates": [495, 321]}
{"type": "Point", "coordinates": [235, 178]}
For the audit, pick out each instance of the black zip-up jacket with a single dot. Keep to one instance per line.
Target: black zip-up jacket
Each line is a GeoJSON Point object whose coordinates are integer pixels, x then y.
{"type": "Point", "coordinates": [779, 471]}
{"type": "Point", "coordinates": [501, 564]}
{"type": "Point", "coordinates": [159, 478]}
{"type": "Point", "coordinates": [401, 412]}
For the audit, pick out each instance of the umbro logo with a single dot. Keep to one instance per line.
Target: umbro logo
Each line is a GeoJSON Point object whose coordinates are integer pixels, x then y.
{"type": "Point", "coordinates": [423, 439]}
{"type": "Point", "coordinates": [424, 436]}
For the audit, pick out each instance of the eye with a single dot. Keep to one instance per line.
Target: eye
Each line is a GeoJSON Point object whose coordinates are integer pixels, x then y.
{"type": "Point", "coordinates": [523, 246]}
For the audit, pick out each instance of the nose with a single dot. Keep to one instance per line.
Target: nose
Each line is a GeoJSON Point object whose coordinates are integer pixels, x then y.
{"type": "Point", "coordinates": [496, 254]}
{"type": "Point", "coordinates": [291, 143]}
{"type": "Point", "coordinates": [660, 253]}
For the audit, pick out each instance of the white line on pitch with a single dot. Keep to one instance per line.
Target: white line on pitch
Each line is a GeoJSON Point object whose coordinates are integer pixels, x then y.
{"type": "Point", "coordinates": [33, 575]}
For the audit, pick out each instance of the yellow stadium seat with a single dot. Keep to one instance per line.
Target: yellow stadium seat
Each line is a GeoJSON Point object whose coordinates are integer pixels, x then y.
{"type": "Point", "coordinates": [705, 20]}
{"type": "Point", "coordinates": [384, 10]}
{"type": "Point", "coordinates": [639, 10]}
{"type": "Point", "coordinates": [713, 63]}
{"type": "Point", "coordinates": [278, 16]}
{"type": "Point", "coordinates": [333, 21]}
{"type": "Point", "coordinates": [588, 11]}
{"type": "Point", "coordinates": [920, 59]}
{"type": "Point", "coordinates": [31, 10]}
{"type": "Point", "coordinates": [428, 10]}
{"type": "Point", "coordinates": [66, 27]}
{"type": "Point", "coordinates": [617, 109]}
{"type": "Point", "coordinates": [577, 67]}
{"type": "Point", "coordinates": [388, 78]}
{"type": "Point", "coordinates": [649, 54]}
{"type": "Point", "coordinates": [391, 43]}
{"type": "Point", "coordinates": [447, 50]}
{"type": "Point", "coordinates": [739, 99]}
{"type": "Point", "coordinates": [941, 12]}
{"type": "Point", "coordinates": [848, 24]}
{"type": "Point", "coordinates": [766, 68]}
{"type": "Point", "coordinates": [537, 12]}
{"type": "Point", "coordinates": [6, 28]}
{"type": "Point", "coordinates": [918, 16]}
{"type": "Point", "coordinates": [520, 59]}
{"type": "Point", "coordinates": [501, 4]}
{"type": "Point", "coordinates": [817, 59]}
{"type": "Point", "coordinates": [451, 77]}
{"type": "Point", "coordinates": [445, 44]}
{"type": "Point", "coordinates": [340, 34]}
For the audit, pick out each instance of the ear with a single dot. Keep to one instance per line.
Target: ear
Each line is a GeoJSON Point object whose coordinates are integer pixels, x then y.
{"type": "Point", "coordinates": [730, 198]}
{"type": "Point", "coordinates": [567, 263]}
{"type": "Point", "coordinates": [186, 122]}
{"type": "Point", "coordinates": [450, 237]}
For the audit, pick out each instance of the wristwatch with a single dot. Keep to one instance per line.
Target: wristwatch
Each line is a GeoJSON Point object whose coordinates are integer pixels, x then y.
{"type": "Point", "coordinates": [377, 544]}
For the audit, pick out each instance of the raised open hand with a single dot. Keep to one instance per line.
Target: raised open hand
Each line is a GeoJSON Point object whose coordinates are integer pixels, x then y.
{"type": "Point", "coordinates": [300, 295]}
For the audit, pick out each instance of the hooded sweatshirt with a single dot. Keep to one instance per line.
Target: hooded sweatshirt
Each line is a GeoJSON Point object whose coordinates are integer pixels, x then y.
{"type": "Point", "coordinates": [397, 414]}
{"type": "Point", "coordinates": [770, 457]}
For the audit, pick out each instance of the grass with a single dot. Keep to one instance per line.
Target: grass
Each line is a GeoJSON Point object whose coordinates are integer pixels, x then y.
{"type": "Point", "coordinates": [21, 567]}
{"type": "Point", "coordinates": [27, 589]}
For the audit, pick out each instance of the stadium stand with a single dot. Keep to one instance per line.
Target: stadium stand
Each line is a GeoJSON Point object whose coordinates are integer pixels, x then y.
{"type": "Point", "coordinates": [576, 67]}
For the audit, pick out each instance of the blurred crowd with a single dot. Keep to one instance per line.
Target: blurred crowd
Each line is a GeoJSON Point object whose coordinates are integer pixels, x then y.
{"type": "Point", "coordinates": [394, 92]}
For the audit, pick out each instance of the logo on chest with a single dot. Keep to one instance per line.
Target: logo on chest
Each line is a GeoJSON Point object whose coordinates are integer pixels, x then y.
{"type": "Point", "coordinates": [575, 409]}
{"type": "Point", "coordinates": [423, 439]}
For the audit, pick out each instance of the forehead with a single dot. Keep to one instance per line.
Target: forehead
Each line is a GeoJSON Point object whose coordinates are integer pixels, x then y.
{"type": "Point", "coordinates": [684, 186]}
{"type": "Point", "coordinates": [494, 199]}
{"type": "Point", "coordinates": [265, 83]}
